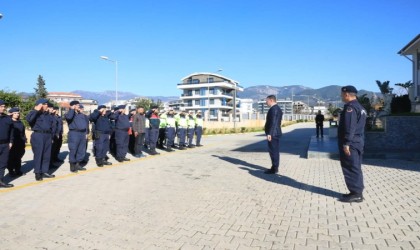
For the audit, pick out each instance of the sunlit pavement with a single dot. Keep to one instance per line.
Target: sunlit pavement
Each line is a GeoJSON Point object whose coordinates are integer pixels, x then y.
{"type": "Point", "coordinates": [215, 196]}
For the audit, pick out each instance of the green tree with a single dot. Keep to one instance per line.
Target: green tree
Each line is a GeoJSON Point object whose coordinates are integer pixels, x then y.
{"type": "Point", "coordinates": [11, 98]}
{"type": "Point", "coordinates": [147, 103]}
{"type": "Point", "coordinates": [41, 90]}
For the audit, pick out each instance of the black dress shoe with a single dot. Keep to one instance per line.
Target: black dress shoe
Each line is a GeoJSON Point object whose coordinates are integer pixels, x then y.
{"type": "Point", "coordinates": [47, 175]}
{"type": "Point", "coordinates": [199, 145]}
{"type": "Point", "coordinates": [126, 159]}
{"type": "Point", "coordinates": [5, 185]}
{"type": "Point", "coordinates": [106, 163]}
{"type": "Point", "coordinates": [38, 177]}
{"type": "Point", "coordinates": [352, 198]}
{"type": "Point", "coordinates": [271, 171]}
{"type": "Point", "coordinates": [120, 160]}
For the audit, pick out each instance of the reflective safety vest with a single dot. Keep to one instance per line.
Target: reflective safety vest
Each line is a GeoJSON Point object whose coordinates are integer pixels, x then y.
{"type": "Point", "coordinates": [162, 123]}
{"type": "Point", "coordinates": [199, 121]}
{"type": "Point", "coordinates": [170, 121]}
{"type": "Point", "coordinates": [181, 121]}
{"type": "Point", "coordinates": [191, 121]}
{"type": "Point", "coordinates": [147, 123]}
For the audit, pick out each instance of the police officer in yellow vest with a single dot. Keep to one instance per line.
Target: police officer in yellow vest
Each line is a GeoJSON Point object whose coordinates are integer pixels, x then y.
{"type": "Point", "coordinates": [198, 128]}
{"type": "Point", "coordinates": [170, 129]}
{"type": "Point", "coordinates": [181, 128]}
{"type": "Point", "coordinates": [191, 128]}
{"type": "Point", "coordinates": [162, 131]}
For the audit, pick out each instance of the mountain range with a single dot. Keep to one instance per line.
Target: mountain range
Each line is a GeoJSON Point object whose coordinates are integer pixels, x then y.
{"type": "Point", "coordinates": [326, 94]}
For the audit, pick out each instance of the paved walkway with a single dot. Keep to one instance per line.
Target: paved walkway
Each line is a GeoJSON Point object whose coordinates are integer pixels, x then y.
{"type": "Point", "coordinates": [216, 197]}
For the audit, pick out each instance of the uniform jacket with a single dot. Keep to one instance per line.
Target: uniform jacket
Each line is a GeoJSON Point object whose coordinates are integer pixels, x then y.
{"type": "Point", "coordinates": [121, 121]}
{"type": "Point", "coordinates": [6, 129]}
{"type": "Point", "coordinates": [41, 121]}
{"type": "Point", "coordinates": [101, 122]}
{"type": "Point", "coordinates": [273, 123]}
{"type": "Point", "coordinates": [319, 119]}
{"type": "Point", "coordinates": [77, 121]}
{"type": "Point", "coordinates": [19, 135]}
{"type": "Point", "coordinates": [351, 128]}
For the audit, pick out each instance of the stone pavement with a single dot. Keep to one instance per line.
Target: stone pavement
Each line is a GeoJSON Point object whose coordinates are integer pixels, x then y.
{"type": "Point", "coordinates": [216, 197]}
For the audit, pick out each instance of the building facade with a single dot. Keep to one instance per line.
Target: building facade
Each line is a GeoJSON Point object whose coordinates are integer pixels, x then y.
{"type": "Point", "coordinates": [211, 93]}
{"type": "Point", "coordinates": [413, 49]}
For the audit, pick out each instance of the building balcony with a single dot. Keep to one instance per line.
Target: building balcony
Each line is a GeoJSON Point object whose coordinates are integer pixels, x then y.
{"type": "Point", "coordinates": [225, 84]}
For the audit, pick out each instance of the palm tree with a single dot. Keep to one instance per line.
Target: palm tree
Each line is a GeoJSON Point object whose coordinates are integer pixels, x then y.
{"type": "Point", "coordinates": [384, 87]}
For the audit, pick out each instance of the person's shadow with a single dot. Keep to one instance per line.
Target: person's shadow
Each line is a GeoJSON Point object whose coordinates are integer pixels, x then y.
{"type": "Point", "coordinates": [258, 172]}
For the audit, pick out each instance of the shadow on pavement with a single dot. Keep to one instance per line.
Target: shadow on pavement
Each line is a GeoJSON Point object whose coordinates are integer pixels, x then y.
{"type": "Point", "coordinates": [294, 142]}
{"type": "Point", "coordinates": [393, 163]}
{"type": "Point", "coordinates": [258, 172]}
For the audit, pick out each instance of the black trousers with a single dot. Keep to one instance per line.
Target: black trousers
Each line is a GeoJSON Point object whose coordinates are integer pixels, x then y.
{"type": "Point", "coordinates": [352, 170]}
{"type": "Point", "coordinates": [274, 151]}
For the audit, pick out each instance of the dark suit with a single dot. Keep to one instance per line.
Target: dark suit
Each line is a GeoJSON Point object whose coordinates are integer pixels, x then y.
{"type": "Point", "coordinates": [273, 127]}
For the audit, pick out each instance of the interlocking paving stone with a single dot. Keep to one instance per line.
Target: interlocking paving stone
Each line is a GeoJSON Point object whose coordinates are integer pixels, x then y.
{"type": "Point", "coordinates": [215, 197]}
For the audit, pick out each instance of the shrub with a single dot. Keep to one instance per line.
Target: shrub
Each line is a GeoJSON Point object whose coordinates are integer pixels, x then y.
{"type": "Point", "coordinates": [400, 104]}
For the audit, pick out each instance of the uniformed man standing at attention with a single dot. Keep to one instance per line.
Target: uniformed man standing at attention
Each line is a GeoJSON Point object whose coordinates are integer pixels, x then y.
{"type": "Point", "coordinates": [42, 124]}
{"type": "Point", "coordinates": [102, 132]}
{"type": "Point", "coordinates": [198, 128]}
{"type": "Point", "coordinates": [77, 136]}
{"type": "Point", "coordinates": [57, 138]}
{"type": "Point", "coordinates": [190, 128]}
{"type": "Point", "coordinates": [18, 148]}
{"type": "Point", "coordinates": [6, 142]}
{"type": "Point", "coordinates": [181, 128]}
{"type": "Point", "coordinates": [154, 122]}
{"type": "Point", "coordinates": [170, 130]}
{"type": "Point", "coordinates": [351, 142]}
{"type": "Point", "coordinates": [122, 125]}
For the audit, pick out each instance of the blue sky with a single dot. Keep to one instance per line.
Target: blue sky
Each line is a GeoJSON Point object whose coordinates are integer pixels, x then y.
{"type": "Point", "coordinates": [156, 43]}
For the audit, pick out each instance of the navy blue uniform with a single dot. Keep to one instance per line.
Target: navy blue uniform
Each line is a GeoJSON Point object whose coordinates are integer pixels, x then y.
{"type": "Point", "coordinates": [273, 128]}
{"type": "Point", "coordinates": [57, 138]}
{"type": "Point", "coordinates": [78, 129]}
{"type": "Point", "coordinates": [42, 124]}
{"type": "Point", "coordinates": [122, 125]}
{"type": "Point", "coordinates": [18, 148]}
{"type": "Point", "coordinates": [101, 133]}
{"type": "Point", "coordinates": [6, 137]}
{"type": "Point", "coordinates": [351, 133]}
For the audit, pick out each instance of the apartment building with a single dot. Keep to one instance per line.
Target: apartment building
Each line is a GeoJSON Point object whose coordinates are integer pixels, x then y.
{"type": "Point", "coordinates": [211, 93]}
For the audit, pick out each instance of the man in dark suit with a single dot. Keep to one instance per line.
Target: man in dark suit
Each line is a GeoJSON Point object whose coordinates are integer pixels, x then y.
{"type": "Point", "coordinates": [273, 132]}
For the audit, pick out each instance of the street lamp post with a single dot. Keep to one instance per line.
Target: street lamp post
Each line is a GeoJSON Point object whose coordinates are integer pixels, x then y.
{"type": "Point", "coordinates": [208, 94]}
{"type": "Point", "coordinates": [116, 76]}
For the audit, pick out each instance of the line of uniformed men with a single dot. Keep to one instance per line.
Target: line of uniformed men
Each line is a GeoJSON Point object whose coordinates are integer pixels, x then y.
{"type": "Point", "coordinates": [112, 131]}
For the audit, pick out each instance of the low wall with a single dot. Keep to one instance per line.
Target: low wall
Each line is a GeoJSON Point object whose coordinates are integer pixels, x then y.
{"type": "Point", "coordinates": [401, 134]}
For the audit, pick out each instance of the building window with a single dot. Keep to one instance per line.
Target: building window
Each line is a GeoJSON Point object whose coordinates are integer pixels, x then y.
{"type": "Point", "coordinates": [197, 102]}
{"type": "Point", "coordinates": [196, 81]}
{"type": "Point", "coordinates": [211, 91]}
{"type": "Point", "coordinates": [189, 103]}
{"type": "Point", "coordinates": [211, 101]}
{"type": "Point", "coordinates": [197, 92]}
{"type": "Point", "coordinates": [211, 79]}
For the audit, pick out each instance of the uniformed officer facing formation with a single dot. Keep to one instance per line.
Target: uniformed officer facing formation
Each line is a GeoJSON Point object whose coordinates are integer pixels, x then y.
{"type": "Point", "coordinates": [78, 130]}
{"type": "Point", "coordinates": [6, 141]}
{"type": "Point", "coordinates": [351, 143]}
{"type": "Point", "coordinates": [102, 133]}
{"type": "Point", "coordinates": [122, 125]}
{"type": "Point", "coordinates": [43, 125]}
{"type": "Point", "coordinates": [18, 147]}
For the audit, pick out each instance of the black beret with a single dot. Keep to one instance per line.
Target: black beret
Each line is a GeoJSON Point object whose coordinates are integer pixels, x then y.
{"type": "Point", "coordinates": [74, 103]}
{"type": "Point", "coordinates": [349, 89]}
{"type": "Point", "coordinates": [15, 109]}
{"type": "Point", "coordinates": [121, 107]}
{"type": "Point", "coordinates": [155, 107]}
{"type": "Point", "coordinates": [101, 107]}
{"type": "Point", "coordinates": [2, 102]}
